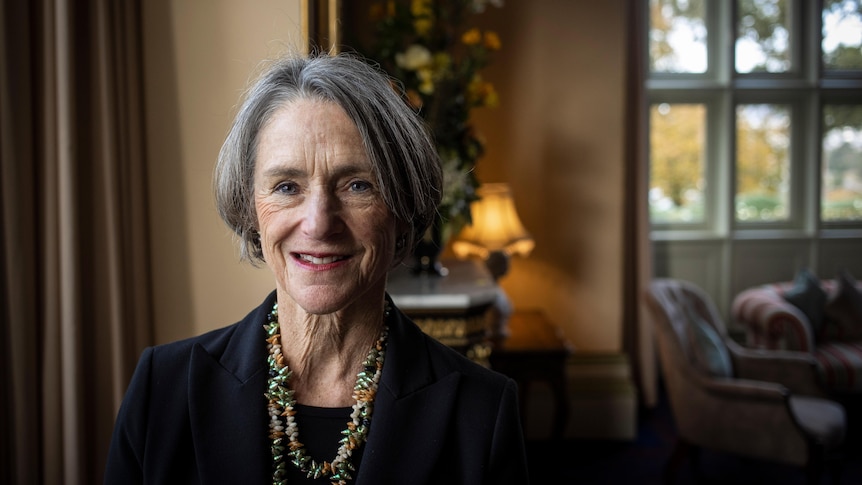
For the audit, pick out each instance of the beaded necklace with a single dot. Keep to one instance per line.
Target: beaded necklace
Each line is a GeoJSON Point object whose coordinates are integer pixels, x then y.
{"type": "Point", "coordinates": [285, 435]}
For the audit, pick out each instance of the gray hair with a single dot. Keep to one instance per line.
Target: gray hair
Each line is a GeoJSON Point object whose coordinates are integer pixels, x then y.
{"type": "Point", "coordinates": [398, 142]}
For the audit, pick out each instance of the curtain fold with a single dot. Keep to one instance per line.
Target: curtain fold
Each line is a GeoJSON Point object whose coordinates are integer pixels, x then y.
{"type": "Point", "coordinates": [76, 301]}
{"type": "Point", "coordinates": [638, 340]}
{"type": "Point", "coordinates": [19, 336]}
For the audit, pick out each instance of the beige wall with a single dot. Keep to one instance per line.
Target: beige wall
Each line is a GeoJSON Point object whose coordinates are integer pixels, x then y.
{"type": "Point", "coordinates": [557, 138]}
{"type": "Point", "coordinates": [199, 55]}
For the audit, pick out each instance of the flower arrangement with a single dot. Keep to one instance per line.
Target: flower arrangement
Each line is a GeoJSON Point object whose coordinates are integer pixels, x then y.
{"type": "Point", "coordinates": [428, 46]}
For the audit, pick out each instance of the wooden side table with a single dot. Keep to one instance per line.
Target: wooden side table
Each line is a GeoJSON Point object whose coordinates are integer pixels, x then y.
{"type": "Point", "coordinates": [535, 350]}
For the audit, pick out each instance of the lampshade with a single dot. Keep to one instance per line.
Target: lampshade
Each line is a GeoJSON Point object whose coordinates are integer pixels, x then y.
{"type": "Point", "coordinates": [496, 226]}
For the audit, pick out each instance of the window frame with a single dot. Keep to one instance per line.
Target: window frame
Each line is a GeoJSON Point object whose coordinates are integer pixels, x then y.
{"type": "Point", "coordinates": [806, 88]}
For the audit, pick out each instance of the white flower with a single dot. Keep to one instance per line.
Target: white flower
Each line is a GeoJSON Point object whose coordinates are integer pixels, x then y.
{"type": "Point", "coordinates": [414, 58]}
{"type": "Point", "coordinates": [455, 179]}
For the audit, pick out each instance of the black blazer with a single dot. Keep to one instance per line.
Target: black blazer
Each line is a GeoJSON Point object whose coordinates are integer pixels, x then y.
{"type": "Point", "coordinates": [195, 413]}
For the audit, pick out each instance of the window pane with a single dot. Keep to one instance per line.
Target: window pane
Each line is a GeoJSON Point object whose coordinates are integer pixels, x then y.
{"type": "Point", "coordinates": [677, 42]}
{"type": "Point", "coordinates": [842, 34]}
{"type": "Point", "coordinates": [842, 163]}
{"type": "Point", "coordinates": [762, 162]}
{"type": "Point", "coordinates": [677, 142]}
{"type": "Point", "coordinates": [763, 36]}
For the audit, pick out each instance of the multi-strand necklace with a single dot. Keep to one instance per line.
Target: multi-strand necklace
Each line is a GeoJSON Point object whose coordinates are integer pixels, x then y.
{"type": "Point", "coordinates": [283, 430]}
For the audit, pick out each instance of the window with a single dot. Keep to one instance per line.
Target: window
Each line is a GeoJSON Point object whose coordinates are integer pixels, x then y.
{"type": "Point", "coordinates": [677, 140]}
{"type": "Point", "coordinates": [842, 163]}
{"type": "Point", "coordinates": [842, 35]}
{"type": "Point", "coordinates": [755, 138]}
{"type": "Point", "coordinates": [762, 162]}
{"type": "Point", "coordinates": [678, 37]}
{"type": "Point", "coordinates": [763, 35]}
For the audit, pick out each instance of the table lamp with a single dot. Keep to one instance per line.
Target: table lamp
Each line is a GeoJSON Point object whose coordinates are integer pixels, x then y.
{"type": "Point", "coordinates": [495, 235]}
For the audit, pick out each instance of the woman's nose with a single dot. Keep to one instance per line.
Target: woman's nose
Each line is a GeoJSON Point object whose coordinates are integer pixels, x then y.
{"type": "Point", "coordinates": [322, 216]}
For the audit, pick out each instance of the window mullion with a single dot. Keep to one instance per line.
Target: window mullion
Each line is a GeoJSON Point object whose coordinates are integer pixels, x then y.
{"type": "Point", "coordinates": [721, 40]}
{"type": "Point", "coordinates": [722, 161]}
{"type": "Point", "coordinates": [810, 13]}
{"type": "Point", "coordinates": [806, 163]}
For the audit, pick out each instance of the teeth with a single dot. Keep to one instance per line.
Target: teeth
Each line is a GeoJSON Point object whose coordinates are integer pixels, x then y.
{"type": "Point", "coordinates": [326, 260]}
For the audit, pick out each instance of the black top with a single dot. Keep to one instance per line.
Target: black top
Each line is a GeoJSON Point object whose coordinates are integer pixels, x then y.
{"type": "Point", "coordinates": [320, 431]}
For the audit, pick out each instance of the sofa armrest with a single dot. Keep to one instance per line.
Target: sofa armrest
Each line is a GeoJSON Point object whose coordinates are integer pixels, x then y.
{"type": "Point", "coordinates": [742, 390]}
{"type": "Point", "coordinates": [742, 416]}
{"type": "Point", "coordinates": [771, 322]}
{"type": "Point", "coordinates": [795, 370]}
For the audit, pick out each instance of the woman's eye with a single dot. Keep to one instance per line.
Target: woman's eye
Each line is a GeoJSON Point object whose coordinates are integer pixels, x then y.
{"type": "Point", "coordinates": [287, 188]}
{"type": "Point", "coordinates": [360, 186]}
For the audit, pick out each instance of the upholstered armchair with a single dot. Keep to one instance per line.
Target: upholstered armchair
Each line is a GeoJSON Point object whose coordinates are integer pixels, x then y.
{"type": "Point", "coordinates": [729, 399]}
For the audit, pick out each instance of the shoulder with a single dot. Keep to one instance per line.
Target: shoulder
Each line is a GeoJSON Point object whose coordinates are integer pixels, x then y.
{"type": "Point", "coordinates": [165, 372]}
{"type": "Point", "coordinates": [447, 358]}
{"type": "Point", "coordinates": [213, 341]}
{"type": "Point", "coordinates": [169, 360]}
{"type": "Point", "coordinates": [231, 346]}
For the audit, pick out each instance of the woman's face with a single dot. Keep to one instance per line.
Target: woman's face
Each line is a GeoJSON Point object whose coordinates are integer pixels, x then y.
{"type": "Point", "coordinates": [324, 228]}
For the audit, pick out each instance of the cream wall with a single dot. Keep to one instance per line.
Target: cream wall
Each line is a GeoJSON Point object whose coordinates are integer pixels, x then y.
{"type": "Point", "coordinates": [199, 55]}
{"type": "Point", "coordinates": [557, 138]}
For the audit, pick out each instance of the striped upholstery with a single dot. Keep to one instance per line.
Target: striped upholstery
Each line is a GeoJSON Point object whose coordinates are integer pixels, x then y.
{"type": "Point", "coordinates": [771, 322]}
{"type": "Point", "coordinates": [839, 365]}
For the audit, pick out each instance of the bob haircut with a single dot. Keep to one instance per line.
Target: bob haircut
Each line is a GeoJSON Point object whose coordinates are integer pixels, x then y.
{"type": "Point", "coordinates": [396, 139]}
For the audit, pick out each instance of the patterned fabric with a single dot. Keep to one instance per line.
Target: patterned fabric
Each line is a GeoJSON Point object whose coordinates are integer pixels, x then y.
{"type": "Point", "coordinates": [839, 365]}
{"type": "Point", "coordinates": [773, 323]}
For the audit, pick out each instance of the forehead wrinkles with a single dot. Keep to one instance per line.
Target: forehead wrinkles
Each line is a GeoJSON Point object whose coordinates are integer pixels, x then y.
{"type": "Point", "coordinates": [311, 135]}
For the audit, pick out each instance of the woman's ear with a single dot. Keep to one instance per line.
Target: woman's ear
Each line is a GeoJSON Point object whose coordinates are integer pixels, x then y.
{"type": "Point", "coordinates": [402, 239]}
{"type": "Point", "coordinates": [401, 245]}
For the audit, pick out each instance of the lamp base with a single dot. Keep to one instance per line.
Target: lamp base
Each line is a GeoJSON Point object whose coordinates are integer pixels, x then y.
{"type": "Point", "coordinates": [501, 311]}
{"type": "Point", "coordinates": [497, 263]}
{"type": "Point", "coordinates": [426, 253]}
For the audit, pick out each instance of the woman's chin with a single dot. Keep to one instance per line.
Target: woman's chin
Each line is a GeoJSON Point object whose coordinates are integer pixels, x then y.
{"type": "Point", "coordinates": [321, 300]}
{"type": "Point", "coordinates": [320, 295]}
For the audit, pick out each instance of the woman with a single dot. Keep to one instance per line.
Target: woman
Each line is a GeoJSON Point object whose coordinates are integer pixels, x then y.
{"type": "Point", "coordinates": [328, 178]}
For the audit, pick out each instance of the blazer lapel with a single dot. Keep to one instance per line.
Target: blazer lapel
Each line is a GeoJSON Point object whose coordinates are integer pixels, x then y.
{"type": "Point", "coordinates": [412, 409]}
{"type": "Point", "coordinates": [226, 385]}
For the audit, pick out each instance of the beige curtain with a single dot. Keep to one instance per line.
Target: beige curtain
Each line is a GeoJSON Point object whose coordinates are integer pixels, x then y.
{"type": "Point", "coordinates": [75, 299]}
{"type": "Point", "coordinates": [638, 340]}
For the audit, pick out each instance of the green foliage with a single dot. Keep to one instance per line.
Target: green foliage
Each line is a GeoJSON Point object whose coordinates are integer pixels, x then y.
{"type": "Point", "coordinates": [843, 57]}
{"type": "Point", "coordinates": [842, 162]}
{"type": "Point", "coordinates": [677, 140]}
{"type": "Point", "coordinates": [764, 22]}
{"type": "Point", "coordinates": [437, 57]}
{"type": "Point", "coordinates": [663, 14]}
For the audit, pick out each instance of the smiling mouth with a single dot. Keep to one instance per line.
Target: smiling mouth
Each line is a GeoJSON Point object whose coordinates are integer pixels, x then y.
{"type": "Point", "coordinates": [325, 260]}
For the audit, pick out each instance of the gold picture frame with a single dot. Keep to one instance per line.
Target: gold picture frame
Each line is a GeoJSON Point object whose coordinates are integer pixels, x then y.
{"type": "Point", "coordinates": [320, 25]}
